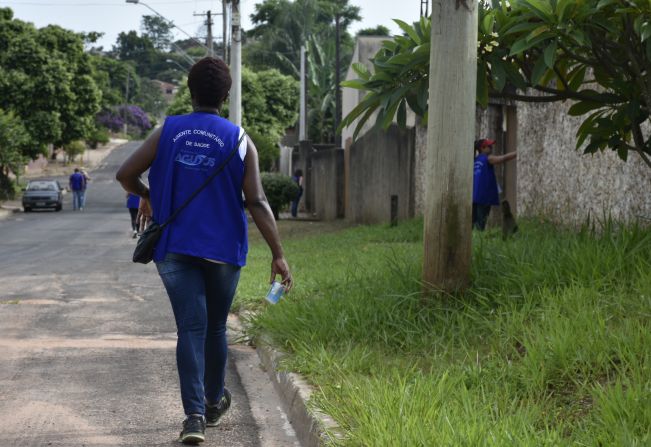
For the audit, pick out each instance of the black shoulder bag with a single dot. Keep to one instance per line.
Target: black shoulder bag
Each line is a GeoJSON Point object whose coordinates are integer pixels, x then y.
{"type": "Point", "coordinates": [147, 241]}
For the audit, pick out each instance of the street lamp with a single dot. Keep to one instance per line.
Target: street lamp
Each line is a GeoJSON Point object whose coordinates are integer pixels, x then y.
{"type": "Point", "coordinates": [138, 2]}
{"type": "Point", "coordinates": [172, 61]}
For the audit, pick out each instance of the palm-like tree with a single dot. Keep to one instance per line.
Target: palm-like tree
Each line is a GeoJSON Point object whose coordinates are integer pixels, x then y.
{"type": "Point", "coordinates": [282, 27]}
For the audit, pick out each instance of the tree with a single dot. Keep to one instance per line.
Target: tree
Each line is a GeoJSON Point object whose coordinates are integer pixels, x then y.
{"type": "Point", "coordinates": [594, 52]}
{"type": "Point", "coordinates": [45, 80]}
{"type": "Point", "coordinates": [379, 30]}
{"type": "Point", "coordinates": [321, 86]}
{"type": "Point", "coordinates": [158, 31]}
{"type": "Point", "coordinates": [111, 77]}
{"type": "Point", "coordinates": [447, 236]}
{"type": "Point", "coordinates": [269, 103]}
{"type": "Point", "coordinates": [133, 116]}
{"type": "Point", "coordinates": [282, 27]}
{"type": "Point", "coordinates": [150, 98]}
{"type": "Point", "coordinates": [407, 70]}
{"type": "Point", "coordinates": [14, 142]}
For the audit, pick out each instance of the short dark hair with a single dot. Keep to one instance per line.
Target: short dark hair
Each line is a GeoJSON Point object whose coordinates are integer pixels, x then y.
{"type": "Point", "coordinates": [298, 173]}
{"type": "Point", "coordinates": [209, 82]}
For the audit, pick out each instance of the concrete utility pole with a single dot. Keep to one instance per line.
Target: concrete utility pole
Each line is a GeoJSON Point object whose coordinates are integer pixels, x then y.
{"type": "Point", "coordinates": [450, 133]}
{"type": "Point", "coordinates": [235, 109]}
{"type": "Point", "coordinates": [302, 117]}
{"type": "Point", "coordinates": [337, 80]}
{"type": "Point", "coordinates": [224, 30]}
{"type": "Point", "coordinates": [126, 103]}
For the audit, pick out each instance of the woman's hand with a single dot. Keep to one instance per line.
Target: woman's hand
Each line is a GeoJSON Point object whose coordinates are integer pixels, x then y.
{"type": "Point", "coordinates": [279, 267]}
{"type": "Point", "coordinates": [144, 214]}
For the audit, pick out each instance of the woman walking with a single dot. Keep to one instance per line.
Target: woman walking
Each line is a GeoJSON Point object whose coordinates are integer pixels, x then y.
{"type": "Point", "coordinates": [133, 202]}
{"type": "Point", "coordinates": [200, 253]}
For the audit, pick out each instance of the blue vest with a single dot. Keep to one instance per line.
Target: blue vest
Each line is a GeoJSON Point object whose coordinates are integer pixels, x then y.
{"type": "Point", "coordinates": [133, 201]}
{"type": "Point", "coordinates": [484, 187]}
{"type": "Point", "coordinates": [77, 181]}
{"type": "Point", "coordinates": [213, 226]}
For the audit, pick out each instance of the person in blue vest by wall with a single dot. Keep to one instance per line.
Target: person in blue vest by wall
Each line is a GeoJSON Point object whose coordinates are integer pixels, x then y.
{"type": "Point", "coordinates": [298, 179]}
{"type": "Point", "coordinates": [485, 192]}
{"type": "Point", "coordinates": [133, 203]}
{"type": "Point", "coordinates": [200, 253]}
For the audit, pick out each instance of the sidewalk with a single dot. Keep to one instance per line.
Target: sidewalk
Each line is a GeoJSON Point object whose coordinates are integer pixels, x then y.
{"type": "Point", "coordinates": [90, 160]}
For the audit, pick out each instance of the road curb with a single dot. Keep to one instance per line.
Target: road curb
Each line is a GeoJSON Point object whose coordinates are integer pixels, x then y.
{"type": "Point", "coordinates": [313, 428]}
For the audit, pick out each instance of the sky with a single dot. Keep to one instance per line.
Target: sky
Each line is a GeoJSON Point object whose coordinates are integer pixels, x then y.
{"type": "Point", "coordinates": [114, 16]}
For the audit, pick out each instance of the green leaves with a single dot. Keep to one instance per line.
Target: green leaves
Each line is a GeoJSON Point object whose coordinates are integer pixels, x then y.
{"type": "Point", "coordinates": [593, 52]}
{"type": "Point", "coordinates": [399, 80]}
{"type": "Point", "coordinates": [45, 82]}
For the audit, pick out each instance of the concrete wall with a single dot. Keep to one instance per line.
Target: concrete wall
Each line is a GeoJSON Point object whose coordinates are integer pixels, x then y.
{"type": "Point", "coordinates": [328, 183]}
{"type": "Point", "coordinates": [381, 165]}
{"type": "Point", "coordinates": [365, 49]}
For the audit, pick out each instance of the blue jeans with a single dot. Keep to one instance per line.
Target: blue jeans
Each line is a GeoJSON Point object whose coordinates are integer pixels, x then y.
{"type": "Point", "coordinates": [78, 199]}
{"type": "Point", "coordinates": [294, 208]}
{"type": "Point", "coordinates": [201, 293]}
{"type": "Point", "coordinates": [480, 214]}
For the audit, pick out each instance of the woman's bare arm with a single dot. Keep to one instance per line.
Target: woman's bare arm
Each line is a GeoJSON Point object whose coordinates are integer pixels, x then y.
{"type": "Point", "coordinates": [260, 210]}
{"type": "Point", "coordinates": [498, 159]}
{"type": "Point", "coordinates": [129, 176]}
{"type": "Point", "coordinates": [129, 173]}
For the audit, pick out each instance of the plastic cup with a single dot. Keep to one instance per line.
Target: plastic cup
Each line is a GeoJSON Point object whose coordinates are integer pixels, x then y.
{"type": "Point", "coordinates": [275, 292]}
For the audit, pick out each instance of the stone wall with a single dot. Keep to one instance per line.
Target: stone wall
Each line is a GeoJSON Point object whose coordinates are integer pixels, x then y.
{"type": "Point", "coordinates": [562, 184]}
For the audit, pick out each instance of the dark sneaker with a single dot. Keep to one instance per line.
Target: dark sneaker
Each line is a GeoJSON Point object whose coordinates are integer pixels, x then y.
{"type": "Point", "coordinates": [194, 428]}
{"type": "Point", "coordinates": [214, 412]}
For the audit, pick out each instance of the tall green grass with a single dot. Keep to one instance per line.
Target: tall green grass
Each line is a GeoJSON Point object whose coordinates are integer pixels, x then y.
{"type": "Point", "coordinates": [551, 345]}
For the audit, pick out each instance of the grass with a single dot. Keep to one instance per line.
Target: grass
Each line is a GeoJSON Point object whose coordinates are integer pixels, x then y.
{"type": "Point", "coordinates": [549, 346]}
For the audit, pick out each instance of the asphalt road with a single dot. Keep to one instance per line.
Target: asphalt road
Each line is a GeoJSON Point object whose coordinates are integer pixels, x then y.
{"type": "Point", "coordinates": [87, 338]}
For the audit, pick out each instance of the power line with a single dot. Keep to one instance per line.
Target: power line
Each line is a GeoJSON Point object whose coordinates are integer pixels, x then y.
{"type": "Point", "coordinates": [21, 3]}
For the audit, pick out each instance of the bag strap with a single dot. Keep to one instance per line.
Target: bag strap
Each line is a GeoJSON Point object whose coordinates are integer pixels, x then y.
{"type": "Point", "coordinates": [219, 169]}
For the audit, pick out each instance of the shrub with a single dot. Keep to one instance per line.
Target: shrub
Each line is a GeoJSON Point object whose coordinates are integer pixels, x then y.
{"type": "Point", "coordinates": [98, 136]}
{"type": "Point", "coordinates": [74, 148]}
{"type": "Point", "coordinates": [280, 190]}
{"type": "Point", "coordinates": [268, 150]}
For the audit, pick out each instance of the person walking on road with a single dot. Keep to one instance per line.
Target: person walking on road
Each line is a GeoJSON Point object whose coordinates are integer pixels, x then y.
{"type": "Point", "coordinates": [87, 180]}
{"type": "Point", "coordinates": [200, 253]}
{"type": "Point", "coordinates": [485, 191]}
{"type": "Point", "coordinates": [77, 184]}
{"type": "Point", "coordinates": [133, 202]}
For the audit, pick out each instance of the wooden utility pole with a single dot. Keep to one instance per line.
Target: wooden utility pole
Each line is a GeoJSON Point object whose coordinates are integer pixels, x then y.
{"type": "Point", "coordinates": [450, 133]}
{"type": "Point", "coordinates": [424, 8]}
{"type": "Point", "coordinates": [209, 37]}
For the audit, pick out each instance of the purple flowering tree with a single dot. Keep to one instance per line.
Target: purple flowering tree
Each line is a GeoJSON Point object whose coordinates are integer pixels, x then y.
{"type": "Point", "coordinates": [114, 119]}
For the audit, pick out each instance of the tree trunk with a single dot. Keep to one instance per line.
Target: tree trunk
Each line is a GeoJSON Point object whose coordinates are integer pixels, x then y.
{"type": "Point", "coordinates": [451, 129]}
